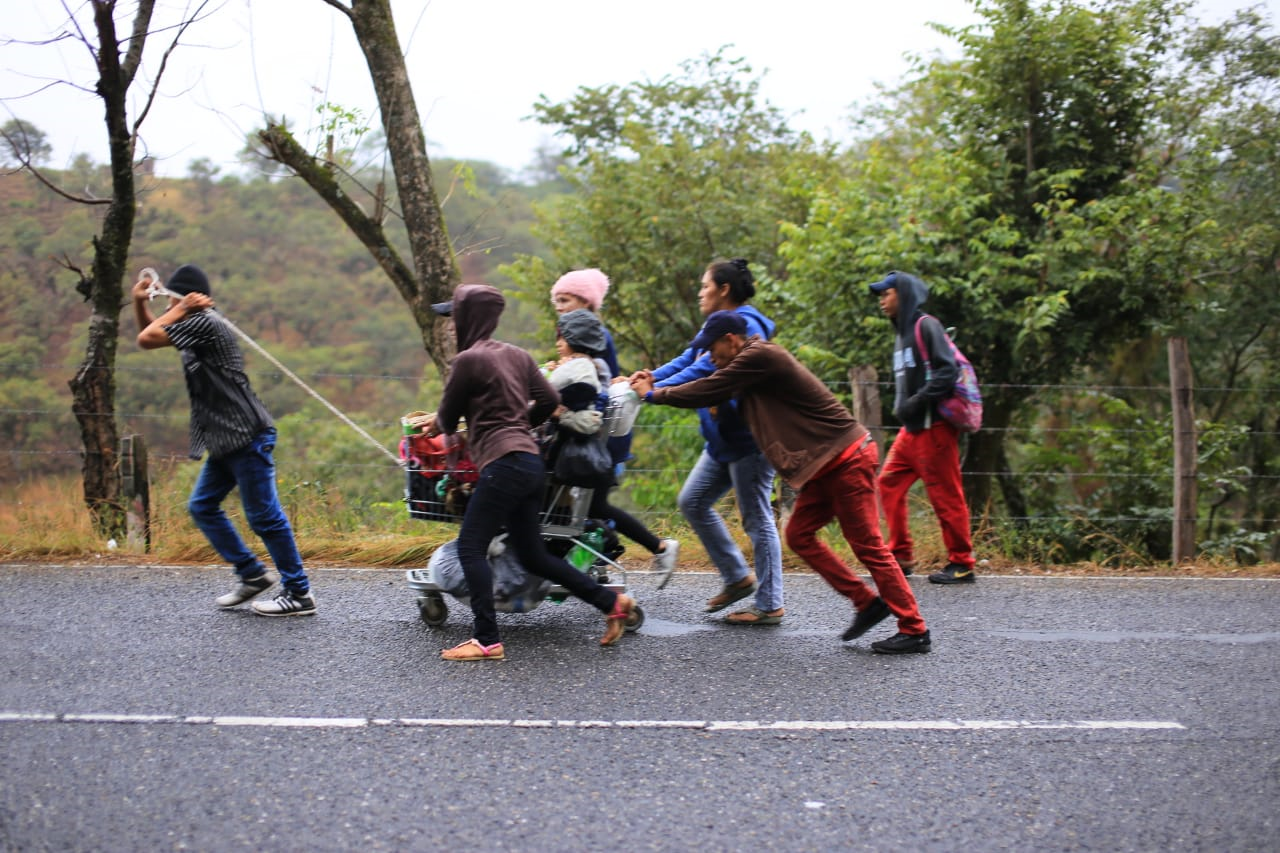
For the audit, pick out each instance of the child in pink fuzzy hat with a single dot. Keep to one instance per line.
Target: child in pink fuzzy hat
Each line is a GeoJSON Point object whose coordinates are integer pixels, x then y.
{"type": "Point", "coordinates": [587, 287]}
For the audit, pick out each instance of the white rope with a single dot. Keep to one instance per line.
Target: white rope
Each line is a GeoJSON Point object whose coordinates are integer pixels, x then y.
{"type": "Point", "coordinates": [158, 289]}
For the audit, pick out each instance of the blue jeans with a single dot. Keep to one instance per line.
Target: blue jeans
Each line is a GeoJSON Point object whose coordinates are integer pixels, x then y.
{"type": "Point", "coordinates": [253, 469]}
{"type": "Point", "coordinates": [751, 479]}
{"type": "Point", "coordinates": [508, 496]}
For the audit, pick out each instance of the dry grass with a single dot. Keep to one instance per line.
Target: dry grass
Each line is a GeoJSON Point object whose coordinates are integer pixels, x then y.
{"type": "Point", "coordinates": [37, 521]}
{"type": "Point", "coordinates": [45, 521]}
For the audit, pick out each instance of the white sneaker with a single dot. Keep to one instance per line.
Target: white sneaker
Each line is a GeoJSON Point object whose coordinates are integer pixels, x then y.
{"type": "Point", "coordinates": [287, 604]}
{"type": "Point", "coordinates": [248, 589]}
{"type": "Point", "coordinates": [664, 562]}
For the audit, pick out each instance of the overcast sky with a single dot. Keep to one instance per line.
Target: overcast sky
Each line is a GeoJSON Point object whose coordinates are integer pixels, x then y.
{"type": "Point", "coordinates": [477, 66]}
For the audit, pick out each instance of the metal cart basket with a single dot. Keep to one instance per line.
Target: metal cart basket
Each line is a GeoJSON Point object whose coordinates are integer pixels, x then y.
{"type": "Point", "coordinates": [431, 495]}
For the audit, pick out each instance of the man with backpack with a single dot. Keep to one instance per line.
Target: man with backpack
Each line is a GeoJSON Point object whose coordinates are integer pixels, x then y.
{"type": "Point", "coordinates": [925, 371]}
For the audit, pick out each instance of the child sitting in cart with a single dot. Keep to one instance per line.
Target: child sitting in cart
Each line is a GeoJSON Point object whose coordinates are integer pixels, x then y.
{"type": "Point", "coordinates": [578, 375]}
{"type": "Point", "coordinates": [581, 342]}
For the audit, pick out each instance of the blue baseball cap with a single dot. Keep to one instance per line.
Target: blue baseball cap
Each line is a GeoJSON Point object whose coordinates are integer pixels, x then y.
{"type": "Point", "coordinates": [719, 324]}
{"type": "Point", "coordinates": [883, 284]}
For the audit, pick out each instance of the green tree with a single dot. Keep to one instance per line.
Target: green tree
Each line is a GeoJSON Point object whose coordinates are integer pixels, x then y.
{"type": "Point", "coordinates": [1019, 182]}
{"type": "Point", "coordinates": [23, 143]}
{"type": "Point", "coordinates": [202, 172]}
{"type": "Point", "coordinates": [1225, 160]}
{"type": "Point", "coordinates": [665, 176]}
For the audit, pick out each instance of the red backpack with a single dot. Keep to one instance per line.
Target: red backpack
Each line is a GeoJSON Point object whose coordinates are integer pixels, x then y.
{"type": "Point", "coordinates": [963, 407]}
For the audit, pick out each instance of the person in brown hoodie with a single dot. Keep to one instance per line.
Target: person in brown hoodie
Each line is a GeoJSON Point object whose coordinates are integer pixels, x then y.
{"type": "Point", "coordinates": [490, 385]}
{"type": "Point", "coordinates": [823, 453]}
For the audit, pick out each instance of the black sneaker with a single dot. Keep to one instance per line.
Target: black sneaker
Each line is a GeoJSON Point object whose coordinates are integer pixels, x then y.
{"type": "Point", "coordinates": [249, 588]}
{"type": "Point", "coordinates": [287, 604]}
{"type": "Point", "coordinates": [903, 644]}
{"type": "Point", "coordinates": [953, 573]}
{"type": "Point", "coordinates": [866, 619]}
{"type": "Point", "coordinates": [908, 567]}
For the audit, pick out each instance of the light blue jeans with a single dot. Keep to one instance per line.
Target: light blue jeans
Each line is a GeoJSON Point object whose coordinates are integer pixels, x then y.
{"type": "Point", "coordinates": [253, 469]}
{"type": "Point", "coordinates": [751, 479]}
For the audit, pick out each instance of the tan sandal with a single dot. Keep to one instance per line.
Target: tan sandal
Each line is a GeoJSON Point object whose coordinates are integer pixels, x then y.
{"type": "Point", "coordinates": [616, 622]}
{"type": "Point", "coordinates": [756, 616]}
{"type": "Point", "coordinates": [730, 593]}
{"type": "Point", "coordinates": [473, 649]}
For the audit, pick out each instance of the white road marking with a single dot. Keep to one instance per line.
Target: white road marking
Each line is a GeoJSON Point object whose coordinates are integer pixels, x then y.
{"type": "Point", "coordinates": [694, 725]}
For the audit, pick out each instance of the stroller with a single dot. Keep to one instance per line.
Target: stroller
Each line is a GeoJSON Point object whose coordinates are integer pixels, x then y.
{"type": "Point", "coordinates": [439, 479]}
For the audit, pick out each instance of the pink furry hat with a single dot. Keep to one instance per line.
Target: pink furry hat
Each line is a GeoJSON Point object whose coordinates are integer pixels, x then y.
{"type": "Point", "coordinates": [589, 285]}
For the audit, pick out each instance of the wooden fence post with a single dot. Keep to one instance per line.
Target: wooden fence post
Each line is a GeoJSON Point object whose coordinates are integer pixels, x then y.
{"type": "Point", "coordinates": [135, 489]}
{"type": "Point", "coordinates": [866, 401]}
{"type": "Point", "coordinates": [1184, 452]}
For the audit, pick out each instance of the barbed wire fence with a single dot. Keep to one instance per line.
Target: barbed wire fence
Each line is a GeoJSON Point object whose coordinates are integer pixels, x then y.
{"type": "Point", "coordinates": [44, 442]}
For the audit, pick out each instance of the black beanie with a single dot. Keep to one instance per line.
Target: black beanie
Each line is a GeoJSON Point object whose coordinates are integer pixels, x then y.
{"type": "Point", "coordinates": [582, 331]}
{"type": "Point", "coordinates": [188, 278]}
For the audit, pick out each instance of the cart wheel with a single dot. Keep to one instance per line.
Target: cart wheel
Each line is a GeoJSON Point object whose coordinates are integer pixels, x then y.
{"type": "Point", "coordinates": [635, 620]}
{"type": "Point", "coordinates": [432, 609]}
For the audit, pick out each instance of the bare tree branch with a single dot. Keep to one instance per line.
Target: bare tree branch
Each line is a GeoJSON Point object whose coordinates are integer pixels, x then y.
{"type": "Point", "coordinates": [285, 149]}
{"type": "Point", "coordinates": [52, 187]}
{"type": "Point", "coordinates": [346, 10]}
{"type": "Point", "coordinates": [131, 64]}
{"type": "Point", "coordinates": [79, 34]}
{"type": "Point", "coordinates": [141, 24]}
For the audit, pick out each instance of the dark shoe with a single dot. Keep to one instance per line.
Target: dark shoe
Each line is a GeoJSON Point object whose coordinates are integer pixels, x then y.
{"type": "Point", "coordinates": [287, 604]}
{"type": "Point", "coordinates": [866, 619]}
{"type": "Point", "coordinates": [953, 573]}
{"type": "Point", "coordinates": [248, 589]}
{"type": "Point", "coordinates": [908, 567]}
{"type": "Point", "coordinates": [903, 644]}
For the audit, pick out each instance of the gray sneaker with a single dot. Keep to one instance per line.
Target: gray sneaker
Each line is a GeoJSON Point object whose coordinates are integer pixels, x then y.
{"type": "Point", "coordinates": [664, 562]}
{"type": "Point", "coordinates": [287, 604]}
{"type": "Point", "coordinates": [249, 588]}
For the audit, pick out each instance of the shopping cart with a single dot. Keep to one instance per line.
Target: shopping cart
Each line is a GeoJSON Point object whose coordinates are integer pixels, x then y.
{"type": "Point", "coordinates": [436, 489]}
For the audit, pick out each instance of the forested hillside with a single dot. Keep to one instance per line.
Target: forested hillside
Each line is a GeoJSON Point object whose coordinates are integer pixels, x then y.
{"type": "Point", "coordinates": [282, 268]}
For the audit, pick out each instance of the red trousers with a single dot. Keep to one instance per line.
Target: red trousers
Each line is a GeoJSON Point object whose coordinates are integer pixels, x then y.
{"type": "Point", "coordinates": [932, 455]}
{"type": "Point", "coordinates": [846, 490]}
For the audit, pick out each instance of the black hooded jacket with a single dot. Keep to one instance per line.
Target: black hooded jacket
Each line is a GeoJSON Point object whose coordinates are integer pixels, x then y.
{"type": "Point", "coordinates": [915, 394]}
{"type": "Point", "coordinates": [491, 383]}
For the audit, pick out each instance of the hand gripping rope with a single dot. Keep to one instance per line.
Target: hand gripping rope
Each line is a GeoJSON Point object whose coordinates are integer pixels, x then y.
{"type": "Point", "coordinates": [157, 289]}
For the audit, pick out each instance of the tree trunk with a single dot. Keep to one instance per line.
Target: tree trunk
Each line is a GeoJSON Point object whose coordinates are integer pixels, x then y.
{"type": "Point", "coordinates": [428, 235]}
{"type": "Point", "coordinates": [93, 387]}
{"type": "Point", "coordinates": [1184, 451]}
{"type": "Point", "coordinates": [435, 272]}
{"type": "Point", "coordinates": [986, 464]}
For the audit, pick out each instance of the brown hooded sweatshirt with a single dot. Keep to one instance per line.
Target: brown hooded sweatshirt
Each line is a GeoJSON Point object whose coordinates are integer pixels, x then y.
{"type": "Point", "coordinates": [491, 383]}
{"type": "Point", "coordinates": [795, 419]}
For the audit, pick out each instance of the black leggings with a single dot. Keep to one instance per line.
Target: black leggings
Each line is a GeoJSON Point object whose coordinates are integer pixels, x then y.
{"type": "Point", "coordinates": [623, 522]}
{"type": "Point", "coordinates": [509, 494]}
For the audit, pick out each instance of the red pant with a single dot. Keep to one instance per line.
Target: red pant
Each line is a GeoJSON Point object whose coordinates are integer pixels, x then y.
{"type": "Point", "coordinates": [932, 455]}
{"type": "Point", "coordinates": [846, 490]}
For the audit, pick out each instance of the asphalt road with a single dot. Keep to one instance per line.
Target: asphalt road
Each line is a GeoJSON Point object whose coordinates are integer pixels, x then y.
{"type": "Point", "coordinates": [1053, 714]}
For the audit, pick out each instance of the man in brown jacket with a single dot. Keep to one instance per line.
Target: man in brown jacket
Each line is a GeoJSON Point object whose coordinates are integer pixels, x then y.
{"type": "Point", "coordinates": [823, 453]}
